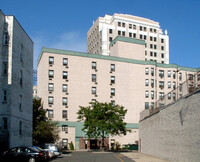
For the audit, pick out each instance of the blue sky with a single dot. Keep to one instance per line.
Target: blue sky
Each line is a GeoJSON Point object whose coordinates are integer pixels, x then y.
{"type": "Point", "coordinates": [63, 24]}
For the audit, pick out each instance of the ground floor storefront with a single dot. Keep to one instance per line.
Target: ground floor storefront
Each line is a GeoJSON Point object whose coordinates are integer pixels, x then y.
{"type": "Point", "coordinates": [71, 132]}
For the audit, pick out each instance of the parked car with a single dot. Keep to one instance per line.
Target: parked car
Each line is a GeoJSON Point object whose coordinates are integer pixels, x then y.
{"type": "Point", "coordinates": [51, 147]}
{"type": "Point", "coordinates": [46, 152]}
{"type": "Point", "coordinates": [27, 154]}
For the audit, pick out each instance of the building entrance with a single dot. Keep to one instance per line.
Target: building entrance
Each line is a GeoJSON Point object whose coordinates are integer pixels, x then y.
{"type": "Point", "coordinates": [93, 144]}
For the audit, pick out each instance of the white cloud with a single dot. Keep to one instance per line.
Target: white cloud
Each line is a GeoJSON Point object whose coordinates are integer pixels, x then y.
{"type": "Point", "coordinates": [73, 41]}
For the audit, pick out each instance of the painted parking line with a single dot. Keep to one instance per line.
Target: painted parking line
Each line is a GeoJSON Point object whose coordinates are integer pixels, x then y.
{"type": "Point", "coordinates": [117, 156]}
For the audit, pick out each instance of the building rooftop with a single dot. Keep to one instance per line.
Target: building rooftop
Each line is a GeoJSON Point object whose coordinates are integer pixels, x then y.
{"type": "Point", "coordinates": [112, 58]}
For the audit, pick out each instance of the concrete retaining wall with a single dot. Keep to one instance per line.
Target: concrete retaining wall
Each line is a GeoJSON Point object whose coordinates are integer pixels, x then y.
{"type": "Point", "coordinates": [173, 133]}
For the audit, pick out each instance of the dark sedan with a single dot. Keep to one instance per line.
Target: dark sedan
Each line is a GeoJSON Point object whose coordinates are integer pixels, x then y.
{"type": "Point", "coordinates": [27, 154]}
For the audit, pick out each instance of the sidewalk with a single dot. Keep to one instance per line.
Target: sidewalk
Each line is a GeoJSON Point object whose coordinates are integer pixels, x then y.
{"type": "Point", "coordinates": [139, 157]}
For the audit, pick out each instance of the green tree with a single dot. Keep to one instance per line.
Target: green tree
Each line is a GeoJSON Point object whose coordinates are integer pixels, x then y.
{"type": "Point", "coordinates": [71, 146]}
{"type": "Point", "coordinates": [102, 119]}
{"type": "Point", "coordinates": [44, 130]}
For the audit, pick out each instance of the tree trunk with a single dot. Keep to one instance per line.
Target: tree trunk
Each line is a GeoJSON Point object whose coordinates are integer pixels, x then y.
{"type": "Point", "coordinates": [103, 148]}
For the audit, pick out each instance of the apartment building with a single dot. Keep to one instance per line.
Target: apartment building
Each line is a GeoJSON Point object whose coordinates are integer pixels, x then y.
{"type": "Point", "coordinates": [68, 79]}
{"type": "Point", "coordinates": [107, 28]}
{"type": "Point", "coordinates": [16, 82]}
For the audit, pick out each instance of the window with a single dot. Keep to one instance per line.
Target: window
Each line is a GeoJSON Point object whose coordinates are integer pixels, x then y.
{"type": "Point", "coordinates": [65, 142]}
{"type": "Point", "coordinates": [180, 76]}
{"type": "Point", "coordinates": [94, 65]}
{"type": "Point", "coordinates": [123, 24]}
{"type": "Point", "coordinates": [145, 29]}
{"type": "Point", "coordinates": [64, 101]}
{"type": "Point", "coordinates": [5, 123]}
{"type": "Point", "coordinates": [112, 79]}
{"type": "Point", "coordinates": [146, 105]}
{"type": "Point", "coordinates": [110, 31]}
{"type": "Point", "coordinates": [134, 26]}
{"type": "Point", "coordinates": [51, 87]}
{"type": "Point", "coordinates": [145, 53]}
{"type": "Point", "coordinates": [155, 46]}
{"type": "Point", "coordinates": [112, 67]}
{"type": "Point", "coordinates": [180, 87]}
{"type": "Point", "coordinates": [119, 23]}
{"type": "Point", "coordinates": [21, 77]}
{"type": "Point", "coordinates": [94, 90]}
{"type": "Point", "coordinates": [152, 94]}
{"type": "Point", "coordinates": [22, 53]}
{"type": "Point", "coordinates": [151, 53]}
{"type": "Point", "coordinates": [65, 128]}
{"type": "Point", "coordinates": [64, 74]}
{"type": "Point", "coordinates": [161, 95]}
{"type": "Point", "coordinates": [130, 34]}
{"type": "Point", "coordinates": [151, 45]}
{"type": "Point", "coordinates": [151, 38]}
{"type": "Point", "coordinates": [6, 39]}
{"type": "Point", "coordinates": [145, 37]}
{"type": "Point", "coordinates": [65, 61]}
{"type": "Point", "coordinates": [20, 102]}
{"type": "Point", "coordinates": [140, 28]}
{"type": "Point", "coordinates": [130, 26]}
{"type": "Point", "coordinates": [169, 84]}
{"type": "Point", "coordinates": [64, 88]}
{"type": "Point", "coordinates": [151, 30]}
{"type": "Point", "coordinates": [174, 74]}
{"type": "Point", "coordinates": [155, 39]}
{"type": "Point", "coordinates": [174, 96]}
{"type": "Point", "coordinates": [155, 54]}
{"type": "Point", "coordinates": [93, 100]}
{"type": "Point", "coordinates": [4, 96]}
{"type": "Point", "coordinates": [162, 48]}
{"type": "Point", "coordinates": [123, 33]}
{"type": "Point", "coordinates": [190, 76]}
{"type": "Point", "coordinates": [169, 96]}
{"type": "Point", "coordinates": [140, 36]}
{"type": "Point", "coordinates": [147, 82]}
{"type": "Point", "coordinates": [162, 40]}
{"type": "Point", "coordinates": [50, 100]}
{"type": "Point", "coordinates": [94, 78]}
{"type": "Point", "coordinates": [155, 30]}
{"type": "Point", "coordinates": [112, 92]}
{"type": "Point", "coordinates": [5, 68]}
{"type": "Point", "coordinates": [20, 127]}
{"type": "Point", "coordinates": [162, 55]}
{"type": "Point", "coordinates": [119, 32]}
{"type": "Point", "coordinates": [152, 83]}
{"type": "Point", "coordinates": [162, 62]}
{"type": "Point", "coordinates": [161, 73]}
{"type": "Point", "coordinates": [174, 85]}
{"type": "Point", "coordinates": [147, 71]}
{"type": "Point", "coordinates": [147, 94]}
{"type": "Point", "coordinates": [169, 73]}
{"type": "Point", "coordinates": [198, 77]}
{"type": "Point", "coordinates": [134, 35]}
{"type": "Point", "coordinates": [161, 84]}
{"type": "Point", "coordinates": [110, 39]}
{"type": "Point", "coordinates": [51, 73]}
{"type": "Point", "coordinates": [51, 60]}
{"type": "Point", "coordinates": [113, 102]}
{"type": "Point", "coordinates": [64, 114]}
{"type": "Point", "coordinates": [50, 113]}
{"type": "Point", "coordinates": [152, 71]}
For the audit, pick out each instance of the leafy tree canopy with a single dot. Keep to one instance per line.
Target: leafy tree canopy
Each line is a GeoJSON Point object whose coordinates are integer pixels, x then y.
{"type": "Point", "coordinates": [102, 119]}
{"type": "Point", "coordinates": [44, 130]}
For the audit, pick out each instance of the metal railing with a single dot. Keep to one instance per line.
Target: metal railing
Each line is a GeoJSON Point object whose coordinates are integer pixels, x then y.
{"type": "Point", "coordinates": [185, 88]}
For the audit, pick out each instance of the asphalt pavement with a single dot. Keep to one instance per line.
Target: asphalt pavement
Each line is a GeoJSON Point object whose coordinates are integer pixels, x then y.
{"type": "Point", "coordinates": [92, 157]}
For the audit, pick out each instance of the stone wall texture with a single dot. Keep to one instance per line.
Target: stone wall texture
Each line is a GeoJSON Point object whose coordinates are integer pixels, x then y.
{"type": "Point", "coordinates": [173, 133]}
